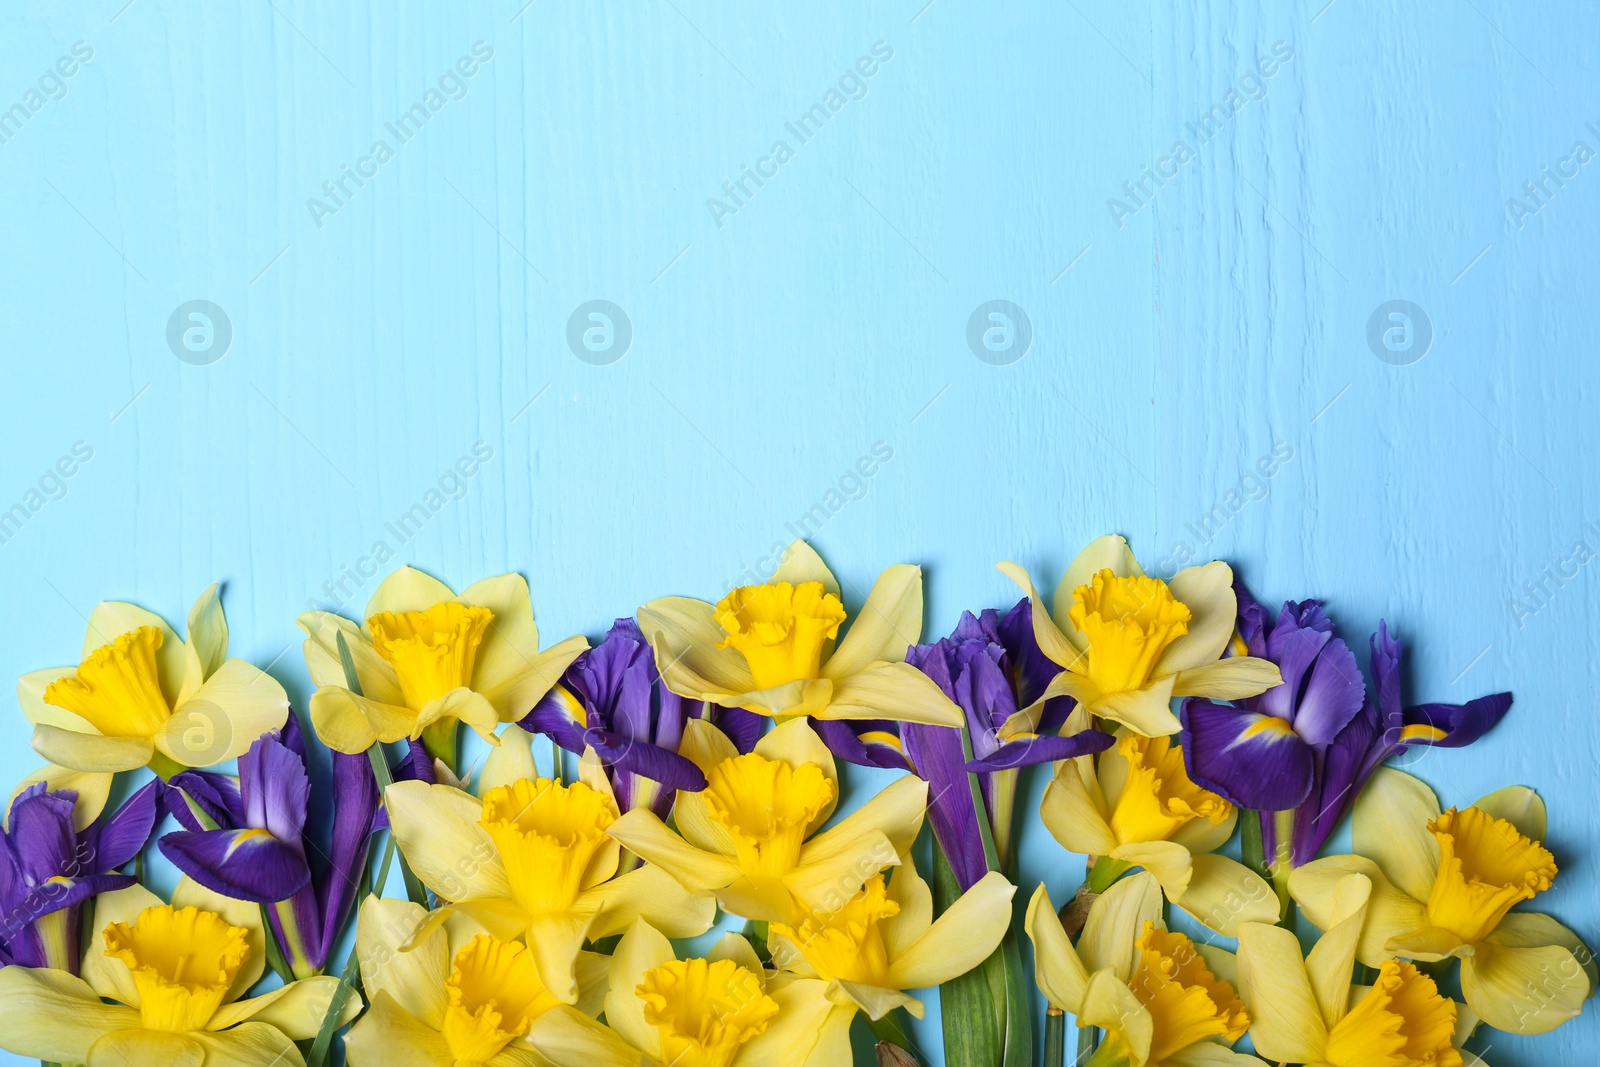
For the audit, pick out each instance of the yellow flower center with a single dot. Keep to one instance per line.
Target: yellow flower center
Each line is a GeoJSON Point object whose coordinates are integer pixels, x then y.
{"type": "Point", "coordinates": [548, 835]}
{"type": "Point", "coordinates": [780, 629]}
{"type": "Point", "coordinates": [704, 1010]}
{"type": "Point", "coordinates": [1485, 866]}
{"type": "Point", "coordinates": [1158, 799]}
{"type": "Point", "coordinates": [433, 651]}
{"type": "Point", "coordinates": [766, 806]}
{"type": "Point", "coordinates": [1187, 1003]}
{"type": "Point", "coordinates": [1402, 1022]}
{"type": "Point", "coordinates": [182, 962]}
{"type": "Point", "coordinates": [494, 995]}
{"type": "Point", "coordinates": [847, 943]}
{"type": "Point", "coordinates": [116, 688]}
{"type": "Point", "coordinates": [1129, 622]}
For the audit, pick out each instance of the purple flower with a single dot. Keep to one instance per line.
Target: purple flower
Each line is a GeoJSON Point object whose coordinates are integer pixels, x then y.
{"type": "Point", "coordinates": [992, 667]}
{"type": "Point", "coordinates": [247, 840]}
{"type": "Point", "coordinates": [48, 869]}
{"type": "Point", "coordinates": [611, 700]}
{"type": "Point", "coordinates": [1309, 745]}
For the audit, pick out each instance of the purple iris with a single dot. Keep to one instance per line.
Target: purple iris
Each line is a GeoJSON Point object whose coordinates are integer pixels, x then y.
{"type": "Point", "coordinates": [48, 870]}
{"type": "Point", "coordinates": [1309, 745]}
{"type": "Point", "coordinates": [991, 666]}
{"type": "Point", "coordinates": [611, 700]}
{"type": "Point", "coordinates": [247, 840]}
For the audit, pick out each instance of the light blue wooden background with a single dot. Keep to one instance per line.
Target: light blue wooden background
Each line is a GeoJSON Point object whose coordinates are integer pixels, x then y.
{"type": "Point", "coordinates": [1175, 340]}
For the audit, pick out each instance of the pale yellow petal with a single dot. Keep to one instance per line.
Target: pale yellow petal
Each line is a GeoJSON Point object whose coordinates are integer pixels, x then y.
{"type": "Point", "coordinates": [1285, 1021]}
{"type": "Point", "coordinates": [1207, 591]}
{"type": "Point", "coordinates": [568, 1038]}
{"type": "Point", "coordinates": [1332, 960]}
{"type": "Point", "coordinates": [911, 894]}
{"type": "Point", "coordinates": [887, 625]}
{"type": "Point", "coordinates": [684, 635]}
{"type": "Point", "coordinates": [737, 947]}
{"type": "Point", "coordinates": [829, 882]}
{"type": "Point", "coordinates": [1524, 990]}
{"type": "Point", "coordinates": [641, 949]}
{"type": "Point", "coordinates": [111, 619]}
{"type": "Point", "coordinates": [388, 1036]}
{"type": "Point", "coordinates": [227, 714]}
{"type": "Point", "coordinates": [652, 894]}
{"type": "Point", "coordinates": [800, 563]}
{"type": "Point", "coordinates": [521, 686]}
{"type": "Point", "coordinates": [1233, 678]}
{"type": "Point", "coordinates": [1074, 814]}
{"type": "Point", "coordinates": [1223, 893]}
{"type": "Point", "coordinates": [414, 977]}
{"type": "Point", "coordinates": [895, 691]}
{"type": "Point", "coordinates": [146, 1048]}
{"type": "Point", "coordinates": [793, 1036]}
{"type": "Point", "coordinates": [1170, 863]}
{"type": "Point", "coordinates": [508, 762]}
{"type": "Point", "coordinates": [1063, 649]}
{"type": "Point", "coordinates": [555, 940]}
{"type": "Point", "coordinates": [1115, 920]}
{"type": "Point", "coordinates": [467, 707]}
{"type": "Point", "coordinates": [352, 724]}
{"type": "Point", "coordinates": [1107, 552]}
{"type": "Point", "coordinates": [91, 752]}
{"type": "Point", "coordinates": [297, 1009]}
{"type": "Point", "coordinates": [93, 789]}
{"type": "Point", "coordinates": [896, 811]}
{"type": "Point", "coordinates": [1057, 970]}
{"type": "Point", "coordinates": [1109, 1004]}
{"type": "Point", "coordinates": [30, 695]}
{"type": "Point", "coordinates": [406, 589]}
{"type": "Point", "coordinates": [1209, 1054]}
{"type": "Point", "coordinates": [378, 680]}
{"type": "Point", "coordinates": [53, 1016]}
{"type": "Point", "coordinates": [1531, 929]}
{"type": "Point", "coordinates": [1146, 711]}
{"type": "Point", "coordinates": [437, 827]}
{"type": "Point", "coordinates": [1390, 827]}
{"type": "Point", "coordinates": [642, 832]}
{"type": "Point", "coordinates": [1520, 806]}
{"type": "Point", "coordinates": [206, 645]}
{"type": "Point", "coordinates": [1202, 835]}
{"type": "Point", "coordinates": [873, 1001]}
{"type": "Point", "coordinates": [706, 746]}
{"type": "Point", "coordinates": [1390, 913]}
{"type": "Point", "coordinates": [512, 639]}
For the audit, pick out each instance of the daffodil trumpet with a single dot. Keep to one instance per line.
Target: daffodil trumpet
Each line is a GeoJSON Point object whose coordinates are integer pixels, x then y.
{"type": "Point", "coordinates": [1304, 1009]}
{"type": "Point", "coordinates": [751, 836]}
{"type": "Point", "coordinates": [428, 659]}
{"type": "Point", "coordinates": [1135, 806]}
{"type": "Point", "coordinates": [1300, 752]}
{"type": "Point", "coordinates": [775, 649]}
{"type": "Point", "coordinates": [1444, 884]}
{"type": "Point", "coordinates": [1126, 644]}
{"type": "Point", "coordinates": [1162, 1000]}
{"type": "Point", "coordinates": [530, 858]}
{"type": "Point", "coordinates": [140, 697]}
{"type": "Point", "coordinates": [164, 984]}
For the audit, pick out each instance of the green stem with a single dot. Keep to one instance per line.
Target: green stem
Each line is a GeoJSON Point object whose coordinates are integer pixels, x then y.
{"type": "Point", "coordinates": [330, 1021]}
{"type": "Point", "coordinates": [439, 739]}
{"type": "Point", "coordinates": [891, 1028]}
{"type": "Point", "coordinates": [1055, 1038]}
{"type": "Point", "coordinates": [1004, 814]}
{"type": "Point", "coordinates": [1104, 872]}
{"type": "Point", "coordinates": [991, 855]}
{"type": "Point", "coordinates": [555, 767]}
{"type": "Point", "coordinates": [1088, 1041]}
{"type": "Point", "coordinates": [1283, 860]}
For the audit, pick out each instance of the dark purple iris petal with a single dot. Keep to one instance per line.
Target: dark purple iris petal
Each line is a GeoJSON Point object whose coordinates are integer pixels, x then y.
{"type": "Point", "coordinates": [276, 789]}
{"type": "Point", "coordinates": [936, 753]}
{"type": "Point", "coordinates": [1294, 647]}
{"type": "Point", "coordinates": [1333, 695]}
{"type": "Point", "coordinates": [559, 716]}
{"type": "Point", "coordinates": [244, 864]}
{"type": "Point", "coordinates": [1341, 770]}
{"type": "Point", "coordinates": [118, 839]}
{"type": "Point", "coordinates": [357, 816]}
{"type": "Point", "coordinates": [1031, 670]}
{"type": "Point", "coordinates": [44, 844]}
{"type": "Point", "coordinates": [647, 760]}
{"type": "Point", "coordinates": [1045, 748]}
{"type": "Point", "coordinates": [217, 795]}
{"type": "Point", "coordinates": [845, 742]}
{"type": "Point", "coordinates": [1462, 723]}
{"type": "Point", "coordinates": [1253, 620]}
{"type": "Point", "coordinates": [1229, 753]}
{"type": "Point", "coordinates": [416, 765]}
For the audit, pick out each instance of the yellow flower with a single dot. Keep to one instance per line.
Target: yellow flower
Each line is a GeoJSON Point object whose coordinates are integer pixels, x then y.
{"type": "Point", "coordinates": [452, 996]}
{"type": "Point", "coordinates": [1304, 1009]}
{"type": "Point", "coordinates": [428, 658]}
{"type": "Point", "coordinates": [174, 974]}
{"type": "Point", "coordinates": [751, 837]}
{"type": "Point", "coordinates": [770, 648]}
{"type": "Point", "coordinates": [141, 697]}
{"type": "Point", "coordinates": [532, 859]}
{"type": "Point", "coordinates": [1443, 884]}
{"type": "Point", "coordinates": [884, 940]}
{"type": "Point", "coordinates": [723, 1010]}
{"type": "Point", "coordinates": [1128, 643]}
{"type": "Point", "coordinates": [1160, 998]}
{"type": "Point", "coordinates": [1135, 806]}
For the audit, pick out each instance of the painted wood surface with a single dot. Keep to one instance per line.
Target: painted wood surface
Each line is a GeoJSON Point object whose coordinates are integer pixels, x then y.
{"type": "Point", "coordinates": [1197, 211]}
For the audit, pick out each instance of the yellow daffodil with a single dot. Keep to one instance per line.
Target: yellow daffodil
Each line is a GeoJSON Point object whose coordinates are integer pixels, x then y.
{"type": "Point", "coordinates": [1303, 1009]}
{"type": "Point", "coordinates": [1135, 806]}
{"type": "Point", "coordinates": [531, 859]}
{"type": "Point", "coordinates": [723, 1010]}
{"type": "Point", "coordinates": [751, 837]}
{"type": "Point", "coordinates": [770, 648]}
{"type": "Point", "coordinates": [1443, 884]}
{"type": "Point", "coordinates": [427, 659]}
{"type": "Point", "coordinates": [451, 996]}
{"type": "Point", "coordinates": [175, 973]}
{"type": "Point", "coordinates": [884, 940]}
{"type": "Point", "coordinates": [1128, 643]}
{"type": "Point", "coordinates": [141, 697]}
{"type": "Point", "coordinates": [1162, 1000]}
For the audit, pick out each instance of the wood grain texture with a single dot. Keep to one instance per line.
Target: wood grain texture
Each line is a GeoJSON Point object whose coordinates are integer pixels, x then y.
{"type": "Point", "coordinates": [1176, 342]}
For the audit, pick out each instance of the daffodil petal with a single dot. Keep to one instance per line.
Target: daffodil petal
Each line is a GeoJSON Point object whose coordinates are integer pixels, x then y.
{"type": "Point", "coordinates": [389, 1036]}
{"type": "Point", "coordinates": [1285, 1021]}
{"type": "Point", "coordinates": [53, 1016]}
{"type": "Point", "coordinates": [1524, 990]}
{"type": "Point", "coordinates": [30, 695]}
{"type": "Point", "coordinates": [887, 625]}
{"type": "Point", "coordinates": [413, 977]}
{"type": "Point", "coordinates": [1223, 893]}
{"type": "Point", "coordinates": [652, 894]}
{"type": "Point", "coordinates": [801, 1026]}
{"type": "Point", "coordinates": [91, 752]}
{"type": "Point", "coordinates": [1390, 827]}
{"type": "Point", "coordinates": [1519, 806]}
{"type": "Point", "coordinates": [407, 589]}
{"type": "Point", "coordinates": [569, 1039]}
{"type": "Point", "coordinates": [796, 743]}
{"type": "Point", "coordinates": [908, 890]}
{"type": "Point", "coordinates": [1207, 591]}
{"type": "Point", "coordinates": [1331, 961]}
{"type": "Point", "coordinates": [642, 832]}
{"type": "Point", "coordinates": [826, 883]}
{"type": "Point", "coordinates": [321, 649]}
{"type": "Point", "coordinates": [1390, 912]}
{"type": "Point", "coordinates": [1233, 678]}
{"type": "Point", "coordinates": [236, 705]}
{"type": "Point", "coordinates": [297, 1009]}
{"type": "Point", "coordinates": [684, 635]}
{"type": "Point", "coordinates": [111, 619]}
{"type": "Point", "coordinates": [149, 1047]}
{"type": "Point", "coordinates": [1061, 648]}
{"type": "Point", "coordinates": [509, 761]}
{"type": "Point", "coordinates": [1115, 921]}
{"type": "Point", "coordinates": [1074, 815]}
{"type": "Point", "coordinates": [437, 827]}
{"type": "Point", "coordinates": [1203, 835]}
{"type": "Point", "coordinates": [891, 691]}
{"type": "Point", "coordinates": [1146, 711]}
{"type": "Point", "coordinates": [874, 1001]}
{"type": "Point", "coordinates": [514, 693]}
{"type": "Point", "coordinates": [641, 949]}
{"type": "Point", "coordinates": [206, 646]}
{"type": "Point", "coordinates": [1057, 970]}
{"type": "Point", "coordinates": [1209, 1054]}
{"type": "Point", "coordinates": [240, 913]}
{"type": "Point", "coordinates": [1170, 863]}
{"type": "Point", "coordinates": [1109, 1004]}
{"type": "Point", "coordinates": [352, 724]}
{"type": "Point", "coordinates": [462, 704]}
{"type": "Point", "coordinates": [897, 812]}
{"type": "Point", "coordinates": [106, 976]}
{"type": "Point", "coordinates": [93, 789]}
{"type": "Point", "coordinates": [1107, 552]}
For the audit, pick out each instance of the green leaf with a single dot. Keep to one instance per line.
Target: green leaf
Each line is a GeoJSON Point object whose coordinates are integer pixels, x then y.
{"type": "Point", "coordinates": [972, 1015]}
{"type": "Point", "coordinates": [318, 1055]}
{"type": "Point", "coordinates": [1019, 1004]}
{"type": "Point", "coordinates": [280, 966]}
